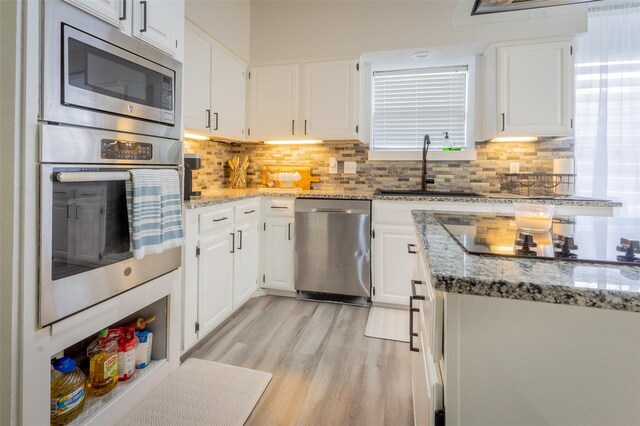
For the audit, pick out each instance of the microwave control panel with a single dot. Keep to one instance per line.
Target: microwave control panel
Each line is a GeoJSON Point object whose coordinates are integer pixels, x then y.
{"type": "Point", "coordinates": [113, 149]}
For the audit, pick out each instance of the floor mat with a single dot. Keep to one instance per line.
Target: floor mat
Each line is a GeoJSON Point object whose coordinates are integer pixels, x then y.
{"type": "Point", "coordinates": [386, 323]}
{"type": "Point", "coordinates": [202, 392]}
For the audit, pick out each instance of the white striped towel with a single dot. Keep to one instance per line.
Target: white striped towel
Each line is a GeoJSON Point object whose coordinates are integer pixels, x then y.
{"type": "Point", "coordinates": [155, 211]}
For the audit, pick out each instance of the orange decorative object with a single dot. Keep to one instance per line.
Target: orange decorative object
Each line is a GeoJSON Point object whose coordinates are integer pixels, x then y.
{"type": "Point", "coordinates": [270, 176]}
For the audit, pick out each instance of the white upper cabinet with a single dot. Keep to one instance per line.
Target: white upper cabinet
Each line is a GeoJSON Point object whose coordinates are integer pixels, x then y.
{"type": "Point", "coordinates": [214, 88]}
{"type": "Point", "coordinates": [330, 103]}
{"type": "Point", "coordinates": [273, 104]}
{"type": "Point", "coordinates": [530, 90]}
{"type": "Point", "coordinates": [197, 82]}
{"type": "Point", "coordinates": [154, 21]}
{"type": "Point", "coordinates": [159, 23]}
{"type": "Point", "coordinates": [228, 95]}
{"type": "Point", "coordinates": [111, 11]}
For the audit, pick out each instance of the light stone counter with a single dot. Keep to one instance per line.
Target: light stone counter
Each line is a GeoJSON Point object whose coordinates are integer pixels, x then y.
{"type": "Point", "coordinates": [551, 281]}
{"type": "Point", "coordinates": [227, 195]}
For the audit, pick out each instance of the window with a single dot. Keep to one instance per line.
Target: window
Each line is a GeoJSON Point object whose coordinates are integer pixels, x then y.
{"type": "Point", "coordinates": [607, 136]}
{"type": "Point", "coordinates": [411, 103]}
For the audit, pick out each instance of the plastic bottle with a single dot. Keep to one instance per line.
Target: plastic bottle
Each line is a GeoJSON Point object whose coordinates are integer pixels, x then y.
{"type": "Point", "coordinates": [67, 391]}
{"type": "Point", "coordinates": [143, 352]}
{"type": "Point", "coordinates": [103, 364]}
{"type": "Point", "coordinates": [127, 344]}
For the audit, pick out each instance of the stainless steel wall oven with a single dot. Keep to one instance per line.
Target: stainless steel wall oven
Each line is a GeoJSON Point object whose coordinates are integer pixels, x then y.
{"type": "Point", "coordinates": [85, 255]}
{"type": "Point", "coordinates": [95, 76]}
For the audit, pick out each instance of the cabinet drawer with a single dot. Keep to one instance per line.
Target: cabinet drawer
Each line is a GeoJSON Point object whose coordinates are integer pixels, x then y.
{"type": "Point", "coordinates": [215, 220]}
{"type": "Point", "coordinates": [279, 207]}
{"type": "Point", "coordinates": [246, 211]}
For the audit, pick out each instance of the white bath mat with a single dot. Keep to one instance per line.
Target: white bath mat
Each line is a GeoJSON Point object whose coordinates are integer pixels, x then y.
{"type": "Point", "coordinates": [202, 392]}
{"type": "Point", "coordinates": [386, 323]}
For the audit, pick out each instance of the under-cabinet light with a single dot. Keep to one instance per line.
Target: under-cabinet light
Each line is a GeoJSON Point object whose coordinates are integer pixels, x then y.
{"type": "Point", "coordinates": [515, 139]}
{"type": "Point", "coordinates": [195, 136]}
{"type": "Point", "coordinates": [294, 142]}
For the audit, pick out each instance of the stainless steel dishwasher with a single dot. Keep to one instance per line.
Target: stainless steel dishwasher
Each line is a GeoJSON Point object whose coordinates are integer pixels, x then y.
{"type": "Point", "coordinates": [333, 246]}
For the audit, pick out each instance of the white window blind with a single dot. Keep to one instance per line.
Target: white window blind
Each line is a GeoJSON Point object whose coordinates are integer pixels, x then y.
{"type": "Point", "coordinates": [411, 103]}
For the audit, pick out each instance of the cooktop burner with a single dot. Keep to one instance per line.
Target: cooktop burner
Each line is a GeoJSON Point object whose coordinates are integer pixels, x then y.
{"type": "Point", "coordinates": [574, 238]}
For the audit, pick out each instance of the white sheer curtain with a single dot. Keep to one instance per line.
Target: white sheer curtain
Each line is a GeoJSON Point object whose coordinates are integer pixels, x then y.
{"type": "Point", "coordinates": [607, 130]}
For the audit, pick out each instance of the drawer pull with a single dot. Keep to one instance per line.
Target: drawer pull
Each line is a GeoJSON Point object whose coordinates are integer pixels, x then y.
{"type": "Point", "coordinates": [416, 296]}
{"type": "Point", "coordinates": [279, 207]}
{"type": "Point", "coordinates": [240, 239]}
{"type": "Point", "coordinates": [233, 242]}
{"type": "Point", "coordinates": [249, 212]}
{"type": "Point", "coordinates": [221, 219]}
{"type": "Point", "coordinates": [409, 248]}
{"type": "Point", "coordinates": [289, 232]}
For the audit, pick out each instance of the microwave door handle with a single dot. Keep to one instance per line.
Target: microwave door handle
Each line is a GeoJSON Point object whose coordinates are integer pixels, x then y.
{"type": "Point", "coordinates": [69, 177]}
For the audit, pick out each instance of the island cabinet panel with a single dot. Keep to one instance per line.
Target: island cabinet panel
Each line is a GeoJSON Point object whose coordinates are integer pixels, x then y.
{"type": "Point", "coordinates": [520, 363]}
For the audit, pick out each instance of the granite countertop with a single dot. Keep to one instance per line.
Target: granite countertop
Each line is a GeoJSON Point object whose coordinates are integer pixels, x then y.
{"type": "Point", "coordinates": [221, 196]}
{"type": "Point", "coordinates": [453, 270]}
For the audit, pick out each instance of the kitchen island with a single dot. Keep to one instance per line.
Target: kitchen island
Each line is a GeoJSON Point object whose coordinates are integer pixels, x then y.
{"type": "Point", "coordinates": [524, 341]}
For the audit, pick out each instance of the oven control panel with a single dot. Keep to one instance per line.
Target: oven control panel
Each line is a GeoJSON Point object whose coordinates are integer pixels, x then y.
{"type": "Point", "coordinates": [114, 149]}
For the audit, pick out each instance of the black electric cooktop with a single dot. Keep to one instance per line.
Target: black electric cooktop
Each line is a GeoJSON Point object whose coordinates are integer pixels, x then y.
{"type": "Point", "coordinates": [574, 238]}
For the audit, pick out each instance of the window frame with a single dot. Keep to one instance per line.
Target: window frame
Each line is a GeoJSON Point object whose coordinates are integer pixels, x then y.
{"type": "Point", "coordinates": [473, 64]}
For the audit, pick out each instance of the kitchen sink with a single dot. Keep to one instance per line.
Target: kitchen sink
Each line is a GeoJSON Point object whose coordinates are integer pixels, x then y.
{"type": "Point", "coordinates": [419, 193]}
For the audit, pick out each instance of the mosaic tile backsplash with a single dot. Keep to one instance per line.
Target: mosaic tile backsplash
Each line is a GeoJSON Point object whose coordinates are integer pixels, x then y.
{"type": "Point", "coordinates": [479, 175]}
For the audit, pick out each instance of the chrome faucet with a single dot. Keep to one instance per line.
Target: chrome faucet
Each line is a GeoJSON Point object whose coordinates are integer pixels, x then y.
{"type": "Point", "coordinates": [425, 150]}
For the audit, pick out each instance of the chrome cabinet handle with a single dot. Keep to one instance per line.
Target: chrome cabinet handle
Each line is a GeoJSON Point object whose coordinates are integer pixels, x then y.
{"type": "Point", "coordinates": [240, 240]}
{"type": "Point", "coordinates": [409, 246]}
{"type": "Point", "coordinates": [279, 207]}
{"type": "Point", "coordinates": [502, 121]}
{"type": "Point", "coordinates": [221, 219]}
{"type": "Point", "coordinates": [233, 242]}
{"type": "Point", "coordinates": [215, 114]}
{"type": "Point", "coordinates": [305, 127]}
{"type": "Point", "coordinates": [144, 16]}
{"type": "Point", "coordinates": [208, 125]}
{"type": "Point", "coordinates": [124, 10]}
{"type": "Point", "coordinates": [249, 211]}
{"type": "Point", "coordinates": [293, 127]}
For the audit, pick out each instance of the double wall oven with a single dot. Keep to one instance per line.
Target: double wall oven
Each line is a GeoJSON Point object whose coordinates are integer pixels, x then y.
{"type": "Point", "coordinates": [109, 104]}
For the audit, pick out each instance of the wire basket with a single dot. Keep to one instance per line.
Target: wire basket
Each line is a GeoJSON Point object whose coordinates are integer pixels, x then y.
{"type": "Point", "coordinates": [538, 184]}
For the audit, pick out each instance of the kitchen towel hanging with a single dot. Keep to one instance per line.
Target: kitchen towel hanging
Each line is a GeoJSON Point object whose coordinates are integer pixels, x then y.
{"type": "Point", "coordinates": [155, 211]}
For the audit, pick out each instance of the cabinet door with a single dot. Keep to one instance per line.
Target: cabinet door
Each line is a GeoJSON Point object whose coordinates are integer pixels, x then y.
{"type": "Point", "coordinates": [111, 11]}
{"type": "Point", "coordinates": [215, 279]}
{"type": "Point", "coordinates": [330, 99]}
{"type": "Point", "coordinates": [228, 95]}
{"type": "Point", "coordinates": [392, 263]}
{"type": "Point", "coordinates": [154, 21]}
{"type": "Point", "coordinates": [535, 84]}
{"type": "Point", "coordinates": [197, 82]}
{"type": "Point", "coordinates": [273, 105]}
{"type": "Point", "coordinates": [245, 277]}
{"type": "Point", "coordinates": [278, 253]}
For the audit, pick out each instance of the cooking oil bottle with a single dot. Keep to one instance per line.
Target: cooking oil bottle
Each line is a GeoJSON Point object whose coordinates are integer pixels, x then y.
{"type": "Point", "coordinates": [67, 391]}
{"type": "Point", "coordinates": [103, 364]}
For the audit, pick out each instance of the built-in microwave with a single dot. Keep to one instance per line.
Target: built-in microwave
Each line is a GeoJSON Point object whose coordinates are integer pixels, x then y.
{"type": "Point", "coordinates": [95, 76]}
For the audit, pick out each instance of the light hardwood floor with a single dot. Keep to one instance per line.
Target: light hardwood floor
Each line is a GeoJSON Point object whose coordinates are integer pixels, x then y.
{"type": "Point", "coordinates": [325, 371]}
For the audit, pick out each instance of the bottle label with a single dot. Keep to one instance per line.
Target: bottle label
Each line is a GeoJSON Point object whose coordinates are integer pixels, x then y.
{"type": "Point", "coordinates": [126, 364]}
{"type": "Point", "coordinates": [111, 366]}
{"type": "Point", "coordinates": [66, 403]}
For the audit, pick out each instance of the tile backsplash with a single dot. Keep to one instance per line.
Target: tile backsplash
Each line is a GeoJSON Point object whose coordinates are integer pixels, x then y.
{"type": "Point", "coordinates": [478, 175]}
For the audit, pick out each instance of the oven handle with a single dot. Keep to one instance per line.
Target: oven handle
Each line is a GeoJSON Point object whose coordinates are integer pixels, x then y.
{"type": "Point", "coordinates": [67, 177]}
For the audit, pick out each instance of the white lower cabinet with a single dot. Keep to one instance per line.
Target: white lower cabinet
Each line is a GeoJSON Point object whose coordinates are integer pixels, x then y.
{"type": "Point", "coordinates": [215, 279]}
{"type": "Point", "coordinates": [393, 259]}
{"type": "Point", "coordinates": [221, 262]}
{"type": "Point", "coordinates": [278, 246]}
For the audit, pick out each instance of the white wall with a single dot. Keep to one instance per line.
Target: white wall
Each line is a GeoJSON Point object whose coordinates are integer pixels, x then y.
{"type": "Point", "coordinates": [283, 31]}
{"type": "Point", "coordinates": [9, 214]}
{"type": "Point", "coordinates": [226, 21]}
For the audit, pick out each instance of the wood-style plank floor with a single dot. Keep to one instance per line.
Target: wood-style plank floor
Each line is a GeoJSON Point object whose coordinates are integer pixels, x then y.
{"type": "Point", "coordinates": [325, 370]}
